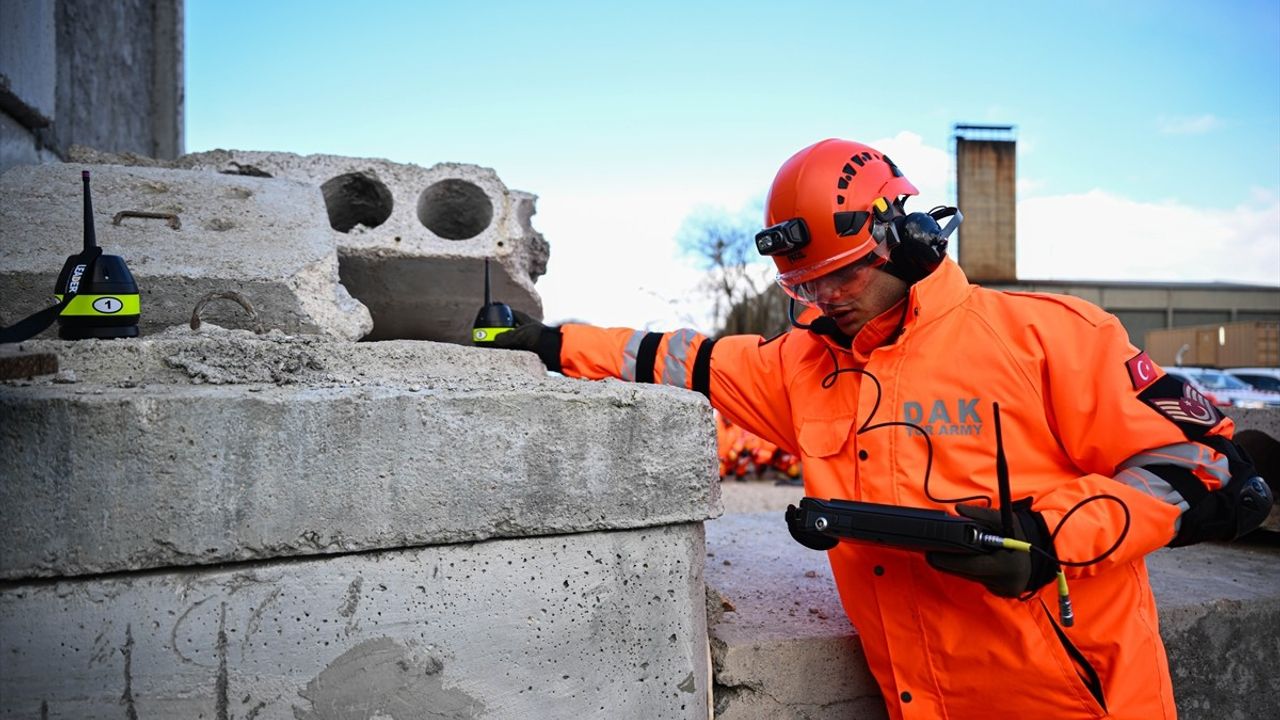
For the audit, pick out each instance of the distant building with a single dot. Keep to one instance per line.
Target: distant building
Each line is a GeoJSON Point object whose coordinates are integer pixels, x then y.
{"type": "Point", "coordinates": [986, 179]}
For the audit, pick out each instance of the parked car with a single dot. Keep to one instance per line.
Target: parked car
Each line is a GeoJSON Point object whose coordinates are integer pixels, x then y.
{"type": "Point", "coordinates": [1224, 390]}
{"type": "Point", "coordinates": [1261, 378]}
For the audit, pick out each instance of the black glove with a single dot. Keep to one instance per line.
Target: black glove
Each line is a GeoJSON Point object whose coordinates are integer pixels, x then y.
{"type": "Point", "coordinates": [531, 335]}
{"type": "Point", "coordinates": [1007, 573]}
{"type": "Point", "coordinates": [808, 538]}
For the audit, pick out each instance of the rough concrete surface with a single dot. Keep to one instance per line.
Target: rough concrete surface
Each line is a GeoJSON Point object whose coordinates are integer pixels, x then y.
{"type": "Point", "coordinates": [786, 650]}
{"type": "Point", "coordinates": [590, 625]}
{"type": "Point", "coordinates": [758, 496]}
{"type": "Point", "coordinates": [265, 239]}
{"type": "Point", "coordinates": [411, 240]}
{"type": "Point", "coordinates": [1266, 421]}
{"type": "Point", "coordinates": [1220, 620]}
{"type": "Point", "coordinates": [318, 447]}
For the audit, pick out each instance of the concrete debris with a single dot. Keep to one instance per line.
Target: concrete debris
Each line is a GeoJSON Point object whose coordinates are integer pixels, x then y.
{"type": "Point", "coordinates": [411, 240]}
{"type": "Point", "coordinates": [265, 239]}
{"type": "Point", "coordinates": [585, 625]}
{"type": "Point", "coordinates": [200, 447]}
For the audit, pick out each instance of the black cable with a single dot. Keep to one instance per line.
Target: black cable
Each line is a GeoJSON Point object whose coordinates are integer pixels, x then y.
{"type": "Point", "coordinates": [1124, 531]}
{"type": "Point", "coordinates": [829, 380]}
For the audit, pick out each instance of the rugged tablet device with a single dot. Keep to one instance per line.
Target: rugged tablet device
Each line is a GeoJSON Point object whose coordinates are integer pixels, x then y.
{"type": "Point", "coordinates": [894, 525]}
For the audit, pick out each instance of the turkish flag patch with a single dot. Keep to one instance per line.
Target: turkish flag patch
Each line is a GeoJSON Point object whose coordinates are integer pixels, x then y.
{"type": "Point", "coordinates": [1142, 371]}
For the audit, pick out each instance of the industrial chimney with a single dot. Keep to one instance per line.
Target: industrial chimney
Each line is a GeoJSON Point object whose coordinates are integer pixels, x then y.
{"type": "Point", "coordinates": [986, 173]}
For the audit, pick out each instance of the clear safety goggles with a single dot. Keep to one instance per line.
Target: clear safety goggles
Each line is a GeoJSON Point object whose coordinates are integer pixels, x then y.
{"type": "Point", "coordinates": [844, 274]}
{"type": "Point", "coordinates": [843, 277]}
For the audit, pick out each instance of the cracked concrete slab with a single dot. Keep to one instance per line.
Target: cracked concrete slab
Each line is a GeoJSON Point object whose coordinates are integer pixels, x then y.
{"type": "Point", "coordinates": [199, 448]}
{"type": "Point", "coordinates": [595, 624]}
{"type": "Point", "coordinates": [411, 240]}
{"type": "Point", "coordinates": [264, 239]}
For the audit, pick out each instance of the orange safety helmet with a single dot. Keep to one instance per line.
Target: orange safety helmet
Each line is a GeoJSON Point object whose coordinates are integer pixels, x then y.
{"type": "Point", "coordinates": [821, 205]}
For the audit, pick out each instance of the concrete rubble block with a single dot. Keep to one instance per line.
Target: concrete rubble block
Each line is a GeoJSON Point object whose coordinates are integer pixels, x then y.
{"type": "Point", "coordinates": [264, 239]}
{"type": "Point", "coordinates": [787, 652]}
{"type": "Point", "coordinates": [1265, 421]}
{"type": "Point", "coordinates": [195, 448]}
{"type": "Point", "coordinates": [411, 240]}
{"type": "Point", "coordinates": [590, 625]}
{"type": "Point", "coordinates": [1220, 620]}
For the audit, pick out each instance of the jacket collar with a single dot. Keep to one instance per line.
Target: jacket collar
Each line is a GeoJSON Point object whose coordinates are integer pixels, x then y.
{"type": "Point", "coordinates": [939, 293]}
{"type": "Point", "coordinates": [929, 299]}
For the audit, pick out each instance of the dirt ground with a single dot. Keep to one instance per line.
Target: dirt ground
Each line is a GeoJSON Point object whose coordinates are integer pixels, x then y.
{"type": "Point", "coordinates": [757, 495]}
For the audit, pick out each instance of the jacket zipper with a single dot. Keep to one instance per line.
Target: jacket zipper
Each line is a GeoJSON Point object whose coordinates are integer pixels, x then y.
{"type": "Point", "coordinates": [1087, 674]}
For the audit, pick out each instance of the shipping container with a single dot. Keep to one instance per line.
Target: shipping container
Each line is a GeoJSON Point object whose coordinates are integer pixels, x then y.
{"type": "Point", "coordinates": [1225, 345]}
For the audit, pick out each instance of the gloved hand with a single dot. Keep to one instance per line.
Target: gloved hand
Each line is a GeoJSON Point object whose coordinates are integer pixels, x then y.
{"type": "Point", "coordinates": [1007, 573]}
{"type": "Point", "coordinates": [531, 335]}
{"type": "Point", "coordinates": [808, 538]}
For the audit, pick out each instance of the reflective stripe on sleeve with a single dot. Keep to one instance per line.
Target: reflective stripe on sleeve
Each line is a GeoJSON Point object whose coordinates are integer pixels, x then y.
{"type": "Point", "coordinates": [1153, 485]}
{"type": "Point", "coordinates": [629, 355]}
{"type": "Point", "coordinates": [674, 364]}
{"type": "Point", "coordinates": [1191, 456]}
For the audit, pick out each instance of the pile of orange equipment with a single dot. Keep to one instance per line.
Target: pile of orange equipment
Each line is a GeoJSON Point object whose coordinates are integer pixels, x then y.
{"type": "Point", "coordinates": [742, 452]}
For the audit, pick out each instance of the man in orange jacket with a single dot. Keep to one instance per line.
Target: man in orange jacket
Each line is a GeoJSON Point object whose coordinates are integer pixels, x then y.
{"type": "Point", "coordinates": [885, 389]}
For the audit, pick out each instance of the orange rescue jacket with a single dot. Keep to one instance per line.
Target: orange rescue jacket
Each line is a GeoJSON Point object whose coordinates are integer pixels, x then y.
{"type": "Point", "coordinates": [911, 403]}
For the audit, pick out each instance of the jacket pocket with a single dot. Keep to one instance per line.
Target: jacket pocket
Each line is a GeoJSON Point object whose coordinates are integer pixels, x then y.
{"type": "Point", "coordinates": [1084, 670]}
{"type": "Point", "coordinates": [824, 437]}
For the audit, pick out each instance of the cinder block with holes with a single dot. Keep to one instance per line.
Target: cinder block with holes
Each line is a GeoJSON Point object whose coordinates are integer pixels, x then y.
{"type": "Point", "coordinates": [411, 240]}
{"type": "Point", "coordinates": [183, 235]}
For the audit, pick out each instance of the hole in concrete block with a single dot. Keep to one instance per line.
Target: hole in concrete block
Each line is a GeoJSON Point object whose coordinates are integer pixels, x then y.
{"type": "Point", "coordinates": [455, 209]}
{"type": "Point", "coordinates": [356, 199]}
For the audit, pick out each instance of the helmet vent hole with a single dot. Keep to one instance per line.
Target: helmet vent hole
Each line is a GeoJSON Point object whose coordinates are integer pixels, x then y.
{"type": "Point", "coordinates": [455, 209]}
{"type": "Point", "coordinates": [356, 199]}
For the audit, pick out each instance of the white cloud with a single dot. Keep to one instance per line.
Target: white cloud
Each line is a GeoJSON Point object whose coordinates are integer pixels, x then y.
{"type": "Point", "coordinates": [614, 260]}
{"type": "Point", "coordinates": [928, 168]}
{"type": "Point", "coordinates": [1101, 236]}
{"type": "Point", "coordinates": [613, 252]}
{"type": "Point", "coordinates": [1187, 125]}
{"type": "Point", "coordinates": [1029, 186]}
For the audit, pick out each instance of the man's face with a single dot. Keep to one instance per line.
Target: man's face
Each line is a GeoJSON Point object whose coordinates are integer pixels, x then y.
{"type": "Point", "coordinates": [853, 295]}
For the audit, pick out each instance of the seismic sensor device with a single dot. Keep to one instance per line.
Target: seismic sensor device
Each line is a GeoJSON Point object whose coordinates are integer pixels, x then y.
{"type": "Point", "coordinates": [97, 295]}
{"type": "Point", "coordinates": [104, 299]}
{"type": "Point", "coordinates": [493, 319]}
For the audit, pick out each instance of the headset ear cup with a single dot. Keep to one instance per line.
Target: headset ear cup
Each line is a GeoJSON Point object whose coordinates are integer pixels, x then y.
{"type": "Point", "coordinates": [921, 247]}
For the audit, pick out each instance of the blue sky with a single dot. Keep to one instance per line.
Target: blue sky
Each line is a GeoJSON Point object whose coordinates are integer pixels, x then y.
{"type": "Point", "coordinates": [1148, 132]}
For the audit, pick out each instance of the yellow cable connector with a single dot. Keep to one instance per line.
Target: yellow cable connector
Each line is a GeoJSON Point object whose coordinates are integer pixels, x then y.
{"type": "Point", "coordinates": [1065, 613]}
{"type": "Point", "coordinates": [1011, 544]}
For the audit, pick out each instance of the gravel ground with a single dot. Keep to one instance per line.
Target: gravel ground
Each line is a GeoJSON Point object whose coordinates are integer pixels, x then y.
{"type": "Point", "coordinates": [757, 496]}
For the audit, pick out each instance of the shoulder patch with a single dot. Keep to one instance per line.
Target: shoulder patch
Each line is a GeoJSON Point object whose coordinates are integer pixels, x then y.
{"type": "Point", "coordinates": [1182, 405]}
{"type": "Point", "coordinates": [1142, 371]}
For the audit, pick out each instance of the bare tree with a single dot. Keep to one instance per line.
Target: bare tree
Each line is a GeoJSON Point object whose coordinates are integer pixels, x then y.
{"type": "Point", "coordinates": [763, 314]}
{"type": "Point", "coordinates": [738, 282]}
